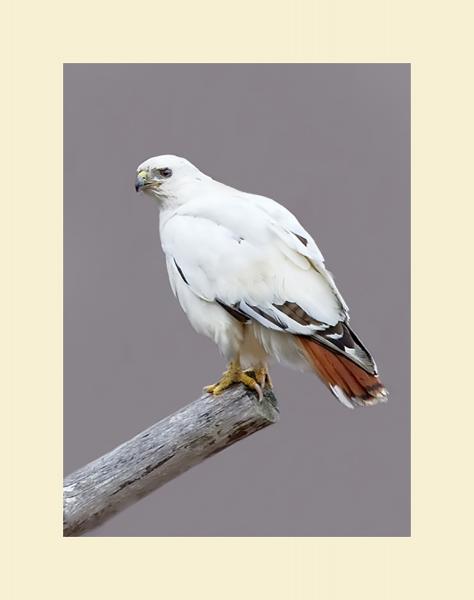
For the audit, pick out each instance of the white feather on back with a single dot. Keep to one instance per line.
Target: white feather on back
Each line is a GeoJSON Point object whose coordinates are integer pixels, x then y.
{"type": "Point", "coordinates": [247, 274]}
{"type": "Point", "coordinates": [240, 248]}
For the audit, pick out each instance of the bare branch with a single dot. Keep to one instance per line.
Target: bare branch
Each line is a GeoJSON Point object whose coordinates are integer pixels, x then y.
{"type": "Point", "coordinates": [173, 445]}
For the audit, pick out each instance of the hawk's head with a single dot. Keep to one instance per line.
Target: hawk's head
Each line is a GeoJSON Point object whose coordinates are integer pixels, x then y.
{"type": "Point", "coordinates": [164, 176]}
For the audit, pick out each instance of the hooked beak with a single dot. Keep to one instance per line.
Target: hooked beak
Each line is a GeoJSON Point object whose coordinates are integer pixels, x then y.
{"type": "Point", "coordinates": [141, 180]}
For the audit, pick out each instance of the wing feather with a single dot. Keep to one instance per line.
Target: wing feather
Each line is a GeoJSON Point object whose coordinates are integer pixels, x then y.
{"type": "Point", "coordinates": [258, 263]}
{"type": "Point", "coordinates": [252, 266]}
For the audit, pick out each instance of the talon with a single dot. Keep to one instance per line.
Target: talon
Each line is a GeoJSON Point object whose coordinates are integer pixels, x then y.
{"type": "Point", "coordinates": [263, 377]}
{"type": "Point", "coordinates": [251, 383]}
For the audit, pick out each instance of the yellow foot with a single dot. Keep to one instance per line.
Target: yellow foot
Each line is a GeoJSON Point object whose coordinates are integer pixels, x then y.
{"type": "Point", "coordinates": [234, 374]}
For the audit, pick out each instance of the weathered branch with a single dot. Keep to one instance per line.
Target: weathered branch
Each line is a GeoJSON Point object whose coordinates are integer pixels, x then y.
{"type": "Point", "coordinates": [165, 450]}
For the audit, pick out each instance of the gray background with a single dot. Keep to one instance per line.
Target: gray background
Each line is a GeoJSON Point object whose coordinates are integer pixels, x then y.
{"type": "Point", "coordinates": [331, 142]}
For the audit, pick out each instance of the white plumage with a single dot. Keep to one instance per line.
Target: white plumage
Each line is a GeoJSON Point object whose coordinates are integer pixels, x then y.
{"type": "Point", "coordinates": [245, 271]}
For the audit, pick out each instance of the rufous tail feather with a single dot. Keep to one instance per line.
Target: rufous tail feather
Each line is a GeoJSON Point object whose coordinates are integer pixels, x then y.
{"type": "Point", "coordinates": [350, 383]}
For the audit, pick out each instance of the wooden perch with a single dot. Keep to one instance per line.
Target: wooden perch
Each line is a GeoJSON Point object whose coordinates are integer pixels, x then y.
{"type": "Point", "coordinates": [165, 450]}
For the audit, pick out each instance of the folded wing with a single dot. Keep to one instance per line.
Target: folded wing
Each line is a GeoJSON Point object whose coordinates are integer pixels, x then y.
{"type": "Point", "coordinates": [259, 264]}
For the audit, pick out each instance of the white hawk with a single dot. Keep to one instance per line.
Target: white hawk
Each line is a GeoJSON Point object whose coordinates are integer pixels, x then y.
{"type": "Point", "coordinates": [250, 277]}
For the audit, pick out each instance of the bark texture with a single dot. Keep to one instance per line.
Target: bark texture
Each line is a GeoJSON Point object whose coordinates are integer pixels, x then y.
{"type": "Point", "coordinates": [162, 452]}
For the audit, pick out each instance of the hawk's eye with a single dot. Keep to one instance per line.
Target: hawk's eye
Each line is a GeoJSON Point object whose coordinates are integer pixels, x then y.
{"type": "Point", "coordinates": [165, 172]}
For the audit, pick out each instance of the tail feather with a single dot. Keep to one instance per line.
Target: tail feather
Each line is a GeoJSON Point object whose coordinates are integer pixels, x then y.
{"type": "Point", "coordinates": [350, 383]}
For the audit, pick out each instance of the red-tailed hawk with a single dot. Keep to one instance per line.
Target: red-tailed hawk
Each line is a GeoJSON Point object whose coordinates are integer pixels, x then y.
{"type": "Point", "coordinates": [250, 277]}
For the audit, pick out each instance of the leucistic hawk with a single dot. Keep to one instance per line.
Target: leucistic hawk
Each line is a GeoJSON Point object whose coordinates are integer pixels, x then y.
{"type": "Point", "coordinates": [251, 278]}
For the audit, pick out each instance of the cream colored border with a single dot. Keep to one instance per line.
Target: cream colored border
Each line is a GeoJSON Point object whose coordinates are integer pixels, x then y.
{"type": "Point", "coordinates": [431, 35]}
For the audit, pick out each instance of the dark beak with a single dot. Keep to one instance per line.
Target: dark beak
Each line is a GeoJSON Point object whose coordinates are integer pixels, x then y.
{"type": "Point", "coordinates": [141, 180]}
